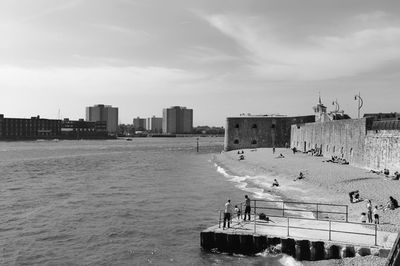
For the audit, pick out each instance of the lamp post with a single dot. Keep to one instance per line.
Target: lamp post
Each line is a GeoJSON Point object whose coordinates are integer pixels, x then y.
{"type": "Point", "coordinates": [360, 102]}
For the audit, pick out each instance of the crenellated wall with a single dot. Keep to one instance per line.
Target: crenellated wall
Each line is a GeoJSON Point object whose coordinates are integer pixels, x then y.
{"type": "Point", "coordinates": [382, 150]}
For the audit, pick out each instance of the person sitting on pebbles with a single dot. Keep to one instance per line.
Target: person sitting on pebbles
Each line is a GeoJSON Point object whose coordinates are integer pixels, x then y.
{"type": "Point", "coordinates": [275, 183]}
{"type": "Point", "coordinates": [301, 176]}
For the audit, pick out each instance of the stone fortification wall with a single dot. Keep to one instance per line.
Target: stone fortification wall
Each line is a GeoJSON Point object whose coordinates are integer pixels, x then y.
{"type": "Point", "coordinates": [382, 150]}
{"type": "Point", "coordinates": [260, 131]}
{"type": "Point", "coordinates": [342, 138]}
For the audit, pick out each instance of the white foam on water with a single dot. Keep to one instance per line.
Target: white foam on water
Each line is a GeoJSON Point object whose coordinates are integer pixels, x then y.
{"type": "Point", "coordinates": [242, 183]}
{"type": "Point", "coordinates": [289, 261]}
{"type": "Point", "coordinates": [263, 188]}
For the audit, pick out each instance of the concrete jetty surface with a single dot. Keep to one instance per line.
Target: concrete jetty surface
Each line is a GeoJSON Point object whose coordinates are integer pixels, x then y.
{"type": "Point", "coordinates": [304, 239]}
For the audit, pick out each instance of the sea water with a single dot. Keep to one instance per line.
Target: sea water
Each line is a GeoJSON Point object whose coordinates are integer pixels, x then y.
{"type": "Point", "coordinates": [116, 202]}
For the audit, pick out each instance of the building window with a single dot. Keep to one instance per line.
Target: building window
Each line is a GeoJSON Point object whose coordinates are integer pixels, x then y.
{"type": "Point", "coordinates": [273, 126]}
{"type": "Point", "coordinates": [254, 126]}
{"type": "Point", "coordinates": [236, 141]}
{"type": "Point", "coordinates": [254, 141]}
{"type": "Point", "coordinates": [237, 126]}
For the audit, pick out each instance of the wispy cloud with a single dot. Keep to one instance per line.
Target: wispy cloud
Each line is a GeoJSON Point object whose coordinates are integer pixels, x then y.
{"type": "Point", "coordinates": [77, 80]}
{"type": "Point", "coordinates": [371, 16]}
{"type": "Point", "coordinates": [121, 30]}
{"type": "Point", "coordinates": [207, 55]}
{"type": "Point", "coordinates": [312, 57]}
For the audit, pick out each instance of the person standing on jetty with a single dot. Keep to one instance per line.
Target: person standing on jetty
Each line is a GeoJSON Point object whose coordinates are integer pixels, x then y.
{"type": "Point", "coordinates": [247, 207]}
{"type": "Point", "coordinates": [227, 213]}
{"type": "Point", "coordinates": [369, 211]}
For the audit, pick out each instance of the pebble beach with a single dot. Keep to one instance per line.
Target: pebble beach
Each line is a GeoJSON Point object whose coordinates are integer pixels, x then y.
{"type": "Point", "coordinates": [324, 182]}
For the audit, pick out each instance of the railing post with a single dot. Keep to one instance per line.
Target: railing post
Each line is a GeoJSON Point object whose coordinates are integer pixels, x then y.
{"type": "Point", "coordinates": [241, 210]}
{"type": "Point", "coordinates": [287, 226]}
{"type": "Point", "coordinates": [376, 234]}
{"type": "Point", "coordinates": [347, 213]}
{"type": "Point", "coordinates": [283, 209]}
{"type": "Point", "coordinates": [330, 228]}
{"type": "Point", "coordinates": [317, 212]}
{"type": "Point", "coordinates": [219, 221]}
{"type": "Point", "coordinates": [255, 215]}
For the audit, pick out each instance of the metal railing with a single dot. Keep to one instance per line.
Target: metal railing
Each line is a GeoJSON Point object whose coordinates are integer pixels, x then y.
{"type": "Point", "coordinates": [290, 208]}
{"type": "Point", "coordinates": [328, 223]}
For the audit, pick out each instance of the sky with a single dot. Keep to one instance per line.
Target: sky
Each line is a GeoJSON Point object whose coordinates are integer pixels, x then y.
{"type": "Point", "coordinates": [220, 58]}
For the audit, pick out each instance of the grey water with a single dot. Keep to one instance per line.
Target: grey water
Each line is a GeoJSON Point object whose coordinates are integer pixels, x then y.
{"type": "Point", "coordinates": [114, 202]}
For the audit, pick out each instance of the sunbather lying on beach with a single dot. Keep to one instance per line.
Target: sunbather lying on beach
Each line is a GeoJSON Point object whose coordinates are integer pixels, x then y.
{"type": "Point", "coordinates": [335, 159]}
{"type": "Point", "coordinates": [375, 172]}
{"type": "Point", "coordinates": [280, 156]}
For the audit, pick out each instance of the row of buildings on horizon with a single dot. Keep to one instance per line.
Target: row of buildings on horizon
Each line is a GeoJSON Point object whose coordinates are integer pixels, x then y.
{"type": "Point", "coordinates": [175, 120]}
{"type": "Point", "coordinates": [101, 122]}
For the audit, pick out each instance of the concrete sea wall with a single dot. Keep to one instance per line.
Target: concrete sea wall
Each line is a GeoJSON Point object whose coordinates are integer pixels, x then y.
{"type": "Point", "coordinates": [351, 139]}
{"type": "Point", "coordinates": [342, 138]}
{"type": "Point", "coordinates": [382, 150]}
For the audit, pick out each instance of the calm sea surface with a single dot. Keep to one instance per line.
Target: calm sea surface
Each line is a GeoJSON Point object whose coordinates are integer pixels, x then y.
{"type": "Point", "coordinates": [117, 202]}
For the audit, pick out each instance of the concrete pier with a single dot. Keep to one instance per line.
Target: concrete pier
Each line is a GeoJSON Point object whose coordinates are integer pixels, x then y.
{"type": "Point", "coordinates": [241, 239]}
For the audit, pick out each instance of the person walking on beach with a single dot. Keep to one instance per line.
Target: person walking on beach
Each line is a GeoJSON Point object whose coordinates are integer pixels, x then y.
{"type": "Point", "coordinates": [369, 211]}
{"type": "Point", "coordinates": [227, 213]}
{"type": "Point", "coordinates": [247, 208]}
{"type": "Point", "coordinates": [273, 150]}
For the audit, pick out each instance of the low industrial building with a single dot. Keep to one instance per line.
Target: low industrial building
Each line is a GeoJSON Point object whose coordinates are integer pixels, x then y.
{"type": "Point", "coordinates": [81, 129]}
{"type": "Point", "coordinates": [29, 128]}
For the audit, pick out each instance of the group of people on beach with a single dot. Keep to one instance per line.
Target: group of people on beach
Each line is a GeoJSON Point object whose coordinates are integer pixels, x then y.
{"type": "Point", "coordinates": [373, 213]}
{"type": "Point", "coordinates": [336, 159]}
{"type": "Point", "coordinates": [229, 212]}
{"type": "Point", "coordinates": [386, 172]}
{"type": "Point", "coordinates": [370, 213]}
